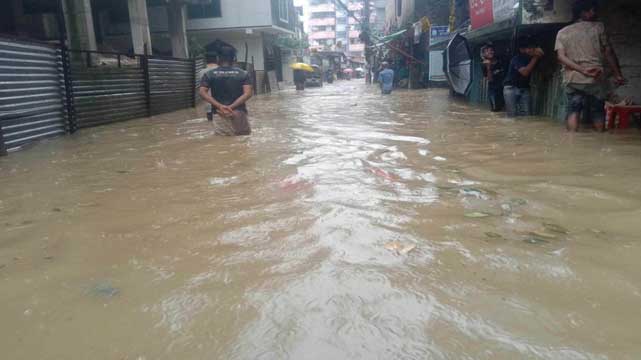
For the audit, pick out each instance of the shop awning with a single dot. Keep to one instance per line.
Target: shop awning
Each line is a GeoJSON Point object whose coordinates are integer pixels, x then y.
{"type": "Point", "coordinates": [391, 37]}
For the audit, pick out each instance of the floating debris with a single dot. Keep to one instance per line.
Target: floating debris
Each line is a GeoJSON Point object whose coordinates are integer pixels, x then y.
{"type": "Point", "coordinates": [555, 228]}
{"type": "Point", "coordinates": [56, 210]}
{"type": "Point", "coordinates": [440, 158]}
{"type": "Point", "coordinates": [407, 249]}
{"type": "Point", "coordinates": [104, 289]}
{"type": "Point", "coordinates": [477, 215]}
{"type": "Point", "coordinates": [533, 240]}
{"type": "Point", "coordinates": [477, 193]}
{"type": "Point", "coordinates": [400, 248]}
{"type": "Point", "coordinates": [518, 202]}
{"type": "Point", "coordinates": [493, 235]}
{"type": "Point", "coordinates": [542, 235]}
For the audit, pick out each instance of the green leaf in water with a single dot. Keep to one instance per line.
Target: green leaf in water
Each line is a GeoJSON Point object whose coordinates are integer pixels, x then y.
{"type": "Point", "coordinates": [493, 235]}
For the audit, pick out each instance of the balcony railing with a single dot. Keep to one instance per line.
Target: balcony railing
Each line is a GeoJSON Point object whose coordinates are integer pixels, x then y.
{"type": "Point", "coordinates": [356, 47]}
{"type": "Point", "coordinates": [319, 35]}
{"type": "Point", "coordinates": [322, 22]}
{"type": "Point", "coordinates": [322, 8]}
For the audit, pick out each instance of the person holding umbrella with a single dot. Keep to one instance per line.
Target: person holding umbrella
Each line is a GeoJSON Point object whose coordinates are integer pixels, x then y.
{"type": "Point", "coordinates": [300, 76]}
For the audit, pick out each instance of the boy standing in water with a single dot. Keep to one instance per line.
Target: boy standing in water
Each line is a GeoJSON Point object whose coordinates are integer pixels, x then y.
{"type": "Point", "coordinates": [494, 72]}
{"type": "Point", "coordinates": [230, 89]}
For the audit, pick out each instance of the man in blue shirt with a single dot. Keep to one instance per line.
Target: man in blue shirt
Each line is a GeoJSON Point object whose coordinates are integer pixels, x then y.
{"type": "Point", "coordinates": [516, 89]}
{"type": "Point", "coordinates": [386, 78]}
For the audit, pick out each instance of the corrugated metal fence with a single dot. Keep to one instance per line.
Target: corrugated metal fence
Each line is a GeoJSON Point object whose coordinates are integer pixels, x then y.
{"type": "Point", "coordinates": [46, 90]}
{"type": "Point", "coordinates": [108, 88]}
{"type": "Point", "coordinates": [171, 84]}
{"type": "Point", "coordinates": [31, 95]}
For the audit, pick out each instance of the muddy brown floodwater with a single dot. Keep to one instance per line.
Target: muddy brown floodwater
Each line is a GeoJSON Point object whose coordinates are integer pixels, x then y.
{"type": "Point", "coordinates": [348, 226]}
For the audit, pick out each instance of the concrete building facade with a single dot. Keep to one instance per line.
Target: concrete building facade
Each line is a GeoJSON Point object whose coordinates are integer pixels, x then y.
{"type": "Point", "coordinates": [334, 28]}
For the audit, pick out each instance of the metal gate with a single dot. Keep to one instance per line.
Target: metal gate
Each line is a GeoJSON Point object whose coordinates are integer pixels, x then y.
{"type": "Point", "coordinates": [171, 84]}
{"type": "Point", "coordinates": [31, 93]}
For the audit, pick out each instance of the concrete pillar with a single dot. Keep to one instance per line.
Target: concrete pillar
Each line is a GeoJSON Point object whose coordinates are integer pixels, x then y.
{"type": "Point", "coordinates": [139, 22]}
{"type": "Point", "coordinates": [177, 21]}
{"type": "Point", "coordinates": [80, 28]}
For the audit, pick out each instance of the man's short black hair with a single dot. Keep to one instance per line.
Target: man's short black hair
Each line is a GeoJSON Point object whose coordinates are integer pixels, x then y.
{"type": "Point", "coordinates": [227, 54]}
{"type": "Point", "coordinates": [583, 5]}
{"type": "Point", "coordinates": [488, 45]}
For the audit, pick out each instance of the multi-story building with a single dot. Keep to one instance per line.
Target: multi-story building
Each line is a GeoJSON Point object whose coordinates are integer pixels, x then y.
{"type": "Point", "coordinates": [333, 28]}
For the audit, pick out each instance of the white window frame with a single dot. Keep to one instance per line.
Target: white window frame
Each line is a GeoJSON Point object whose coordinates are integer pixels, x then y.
{"type": "Point", "coordinates": [284, 3]}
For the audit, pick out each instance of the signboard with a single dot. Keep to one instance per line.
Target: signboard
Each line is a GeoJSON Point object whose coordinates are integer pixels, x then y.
{"type": "Point", "coordinates": [481, 13]}
{"type": "Point", "coordinates": [439, 33]}
{"type": "Point", "coordinates": [488, 12]}
{"type": "Point", "coordinates": [436, 66]}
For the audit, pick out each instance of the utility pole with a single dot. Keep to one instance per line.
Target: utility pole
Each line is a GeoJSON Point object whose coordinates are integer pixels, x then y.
{"type": "Point", "coordinates": [365, 35]}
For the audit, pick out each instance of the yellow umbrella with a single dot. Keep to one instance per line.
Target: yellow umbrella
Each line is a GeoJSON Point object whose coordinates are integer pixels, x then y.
{"type": "Point", "coordinates": [302, 66]}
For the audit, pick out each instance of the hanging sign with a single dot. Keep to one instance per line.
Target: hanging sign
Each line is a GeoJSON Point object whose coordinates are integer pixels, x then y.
{"type": "Point", "coordinates": [488, 12]}
{"type": "Point", "coordinates": [481, 13]}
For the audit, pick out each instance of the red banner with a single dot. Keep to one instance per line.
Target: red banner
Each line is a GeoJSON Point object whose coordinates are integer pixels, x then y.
{"type": "Point", "coordinates": [481, 13]}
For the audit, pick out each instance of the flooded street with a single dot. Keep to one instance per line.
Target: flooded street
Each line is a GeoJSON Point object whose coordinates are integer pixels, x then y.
{"type": "Point", "coordinates": [348, 226]}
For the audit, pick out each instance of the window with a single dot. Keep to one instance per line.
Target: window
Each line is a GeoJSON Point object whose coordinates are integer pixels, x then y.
{"type": "Point", "coordinates": [283, 10]}
{"type": "Point", "coordinates": [203, 11]}
{"type": "Point", "coordinates": [322, 15]}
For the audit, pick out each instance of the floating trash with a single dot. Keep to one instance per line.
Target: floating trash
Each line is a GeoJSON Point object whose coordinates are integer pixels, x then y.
{"type": "Point", "coordinates": [439, 158]}
{"type": "Point", "coordinates": [542, 235]}
{"type": "Point", "coordinates": [477, 215]}
{"type": "Point", "coordinates": [104, 289]}
{"type": "Point", "coordinates": [555, 228]}
{"type": "Point", "coordinates": [479, 194]}
{"type": "Point", "coordinates": [400, 248]}
{"type": "Point", "coordinates": [493, 235]}
{"type": "Point", "coordinates": [534, 240]}
{"type": "Point", "coordinates": [518, 202]}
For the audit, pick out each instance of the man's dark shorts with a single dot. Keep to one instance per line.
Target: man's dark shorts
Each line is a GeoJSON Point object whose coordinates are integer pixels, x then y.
{"type": "Point", "coordinates": [580, 101]}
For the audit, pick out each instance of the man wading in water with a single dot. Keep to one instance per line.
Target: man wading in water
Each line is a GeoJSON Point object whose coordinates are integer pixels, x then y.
{"type": "Point", "coordinates": [230, 88]}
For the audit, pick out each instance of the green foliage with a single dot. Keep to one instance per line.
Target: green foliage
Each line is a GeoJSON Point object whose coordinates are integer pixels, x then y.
{"type": "Point", "coordinates": [196, 49]}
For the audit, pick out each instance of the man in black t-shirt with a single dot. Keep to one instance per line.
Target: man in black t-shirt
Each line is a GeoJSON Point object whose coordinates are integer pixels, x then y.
{"type": "Point", "coordinates": [516, 88]}
{"type": "Point", "coordinates": [227, 89]}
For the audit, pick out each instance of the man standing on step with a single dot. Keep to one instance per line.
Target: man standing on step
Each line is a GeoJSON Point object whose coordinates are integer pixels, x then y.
{"type": "Point", "coordinates": [583, 48]}
{"type": "Point", "coordinates": [227, 88]}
